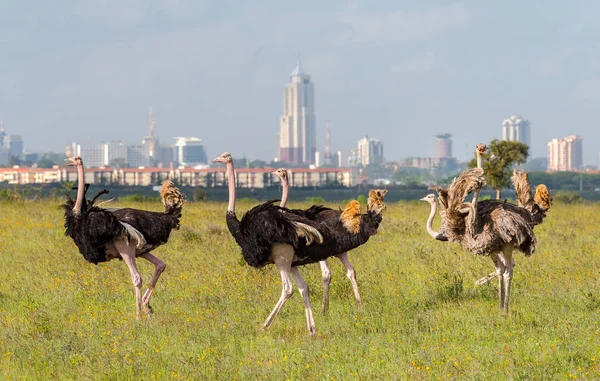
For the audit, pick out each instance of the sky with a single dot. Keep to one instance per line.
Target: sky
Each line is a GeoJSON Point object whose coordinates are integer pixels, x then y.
{"type": "Point", "coordinates": [400, 71]}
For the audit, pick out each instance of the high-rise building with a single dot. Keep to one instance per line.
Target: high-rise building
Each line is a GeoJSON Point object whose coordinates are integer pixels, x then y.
{"type": "Point", "coordinates": [565, 154]}
{"type": "Point", "coordinates": [189, 152]}
{"type": "Point", "coordinates": [73, 149]}
{"type": "Point", "coordinates": [517, 129]}
{"type": "Point", "coordinates": [443, 145]}
{"type": "Point", "coordinates": [370, 151]}
{"type": "Point", "coordinates": [14, 143]}
{"type": "Point", "coordinates": [297, 139]}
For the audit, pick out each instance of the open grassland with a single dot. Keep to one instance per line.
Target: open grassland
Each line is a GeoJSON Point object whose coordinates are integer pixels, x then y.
{"type": "Point", "coordinates": [63, 318]}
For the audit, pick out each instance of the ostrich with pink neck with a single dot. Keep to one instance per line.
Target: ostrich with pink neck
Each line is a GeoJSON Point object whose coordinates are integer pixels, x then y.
{"type": "Point", "coordinates": [267, 236]}
{"type": "Point", "coordinates": [327, 215]}
{"type": "Point", "coordinates": [102, 235]}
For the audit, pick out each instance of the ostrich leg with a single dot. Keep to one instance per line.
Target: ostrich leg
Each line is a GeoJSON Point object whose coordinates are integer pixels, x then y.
{"type": "Point", "coordinates": [127, 252]}
{"type": "Point", "coordinates": [303, 288]}
{"type": "Point", "coordinates": [351, 274]}
{"type": "Point", "coordinates": [159, 267]}
{"type": "Point", "coordinates": [326, 273]}
{"type": "Point", "coordinates": [282, 255]}
{"type": "Point", "coordinates": [508, 272]}
{"type": "Point", "coordinates": [499, 263]}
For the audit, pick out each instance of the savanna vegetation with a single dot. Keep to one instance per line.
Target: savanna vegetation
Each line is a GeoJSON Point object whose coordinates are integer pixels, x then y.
{"type": "Point", "coordinates": [63, 318]}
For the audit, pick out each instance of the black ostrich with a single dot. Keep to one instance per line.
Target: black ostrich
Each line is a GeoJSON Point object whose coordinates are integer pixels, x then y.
{"type": "Point", "coordinates": [331, 218]}
{"type": "Point", "coordinates": [102, 235]}
{"type": "Point", "coordinates": [268, 234]}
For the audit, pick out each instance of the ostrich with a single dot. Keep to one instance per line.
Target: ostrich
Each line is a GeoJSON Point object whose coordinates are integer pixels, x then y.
{"type": "Point", "coordinates": [102, 235]}
{"type": "Point", "coordinates": [268, 236]}
{"type": "Point", "coordinates": [491, 227]}
{"type": "Point", "coordinates": [331, 218]}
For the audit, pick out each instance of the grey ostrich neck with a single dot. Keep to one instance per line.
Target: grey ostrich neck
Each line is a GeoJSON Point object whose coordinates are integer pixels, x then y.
{"type": "Point", "coordinates": [231, 184]}
{"type": "Point", "coordinates": [80, 189]}
{"type": "Point", "coordinates": [478, 159]}
{"type": "Point", "coordinates": [284, 194]}
{"type": "Point", "coordinates": [430, 230]}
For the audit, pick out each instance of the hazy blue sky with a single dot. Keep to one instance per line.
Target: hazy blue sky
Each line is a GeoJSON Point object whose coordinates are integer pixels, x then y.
{"type": "Point", "coordinates": [400, 71]}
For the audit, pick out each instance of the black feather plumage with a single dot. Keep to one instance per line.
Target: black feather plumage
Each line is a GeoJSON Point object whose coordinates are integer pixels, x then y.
{"type": "Point", "coordinates": [259, 229]}
{"type": "Point", "coordinates": [91, 229]}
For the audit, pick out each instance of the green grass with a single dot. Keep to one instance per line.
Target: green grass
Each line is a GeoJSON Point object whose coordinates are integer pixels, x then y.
{"type": "Point", "coordinates": [63, 318]}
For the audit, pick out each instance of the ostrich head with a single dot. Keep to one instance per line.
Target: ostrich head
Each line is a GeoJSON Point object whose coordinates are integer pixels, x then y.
{"type": "Point", "coordinates": [73, 161]}
{"type": "Point", "coordinates": [281, 172]}
{"type": "Point", "coordinates": [224, 158]}
{"type": "Point", "coordinates": [480, 148]}
{"type": "Point", "coordinates": [430, 198]}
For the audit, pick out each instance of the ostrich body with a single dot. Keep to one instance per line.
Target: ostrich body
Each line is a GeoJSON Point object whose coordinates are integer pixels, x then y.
{"type": "Point", "coordinates": [331, 218]}
{"type": "Point", "coordinates": [489, 227]}
{"type": "Point", "coordinates": [102, 234]}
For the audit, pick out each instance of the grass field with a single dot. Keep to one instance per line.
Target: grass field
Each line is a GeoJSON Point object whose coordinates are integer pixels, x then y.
{"type": "Point", "coordinates": [63, 318]}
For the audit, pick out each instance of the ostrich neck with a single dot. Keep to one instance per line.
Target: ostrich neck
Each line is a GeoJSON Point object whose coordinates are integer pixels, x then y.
{"type": "Point", "coordinates": [478, 160]}
{"type": "Point", "coordinates": [429, 226]}
{"type": "Point", "coordinates": [284, 193]}
{"type": "Point", "coordinates": [80, 189]}
{"type": "Point", "coordinates": [231, 184]}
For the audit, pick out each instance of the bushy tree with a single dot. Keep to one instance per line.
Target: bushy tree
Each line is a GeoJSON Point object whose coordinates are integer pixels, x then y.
{"type": "Point", "coordinates": [498, 161]}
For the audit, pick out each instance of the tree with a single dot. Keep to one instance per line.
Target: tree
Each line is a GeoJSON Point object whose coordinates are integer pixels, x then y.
{"type": "Point", "coordinates": [498, 161]}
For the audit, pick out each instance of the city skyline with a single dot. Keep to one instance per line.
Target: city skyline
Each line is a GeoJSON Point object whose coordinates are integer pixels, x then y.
{"type": "Point", "coordinates": [84, 72]}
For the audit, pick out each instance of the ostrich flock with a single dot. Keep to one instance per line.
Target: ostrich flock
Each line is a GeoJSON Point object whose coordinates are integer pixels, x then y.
{"type": "Point", "coordinates": [290, 238]}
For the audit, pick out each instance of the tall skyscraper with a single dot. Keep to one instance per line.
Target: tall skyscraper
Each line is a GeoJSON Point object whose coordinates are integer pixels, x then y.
{"type": "Point", "coordinates": [190, 152]}
{"type": "Point", "coordinates": [517, 129]}
{"type": "Point", "coordinates": [565, 154]}
{"type": "Point", "coordinates": [297, 138]}
{"type": "Point", "coordinates": [443, 145]}
{"type": "Point", "coordinates": [370, 151]}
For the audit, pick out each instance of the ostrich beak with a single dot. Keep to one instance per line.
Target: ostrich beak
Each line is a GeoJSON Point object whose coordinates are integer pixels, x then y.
{"type": "Point", "coordinates": [69, 163]}
{"type": "Point", "coordinates": [424, 199]}
{"type": "Point", "coordinates": [274, 173]}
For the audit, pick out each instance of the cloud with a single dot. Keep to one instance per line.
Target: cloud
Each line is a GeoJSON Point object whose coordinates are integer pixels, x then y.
{"type": "Point", "coordinates": [405, 25]}
{"type": "Point", "coordinates": [416, 64]}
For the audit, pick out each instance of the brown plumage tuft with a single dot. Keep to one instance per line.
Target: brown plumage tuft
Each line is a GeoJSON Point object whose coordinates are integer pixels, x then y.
{"type": "Point", "coordinates": [375, 202]}
{"type": "Point", "coordinates": [350, 217]}
{"type": "Point", "coordinates": [465, 183]}
{"type": "Point", "coordinates": [520, 180]}
{"type": "Point", "coordinates": [172, 198]}
{"type": "Point", "coordinates": [542, 197]}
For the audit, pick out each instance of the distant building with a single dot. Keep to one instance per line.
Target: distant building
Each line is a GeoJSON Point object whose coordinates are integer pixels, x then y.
{"type": "Point", "coordinates": [189, 152]}
{"type": "Point", "coordinates": [370, 151]}
{"type": "Point", "coordinates": [517, 129]}
{"type": "Point", "coordinates": [93, 156]}
{"type": "Point", "coordinates": [73, 149]}
{"type": "Point", "coordinates": [297, 125]}
{"type": "Point", "coordinates": [138, 156]}
{"type": "Point", "coordinates": [565, 154]}
{"type": "Point", "coordinates": [443, 145]}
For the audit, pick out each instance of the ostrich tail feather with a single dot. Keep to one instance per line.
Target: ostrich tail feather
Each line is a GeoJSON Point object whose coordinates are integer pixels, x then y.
{"type": "Point", "coordinates": [350, 217]}
{"type": "Point", "coordinates": [133, 233]}
{"type": "Point", "coordinates": [542, 197]}
{"type": "Point", "coordinates": [520, 180]}
{"type": "Point", "coordinates": [311, 234]}
{"type": "Point", "coordinates": [171, 197]}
